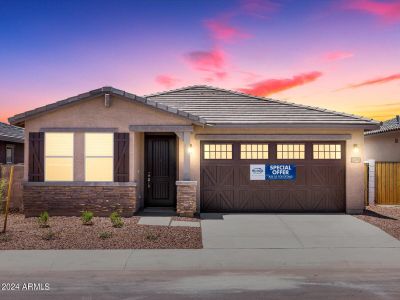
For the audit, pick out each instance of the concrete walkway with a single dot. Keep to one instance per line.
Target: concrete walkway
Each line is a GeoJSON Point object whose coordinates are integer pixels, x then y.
{"type": "Point", "coordinates": [291, 231]}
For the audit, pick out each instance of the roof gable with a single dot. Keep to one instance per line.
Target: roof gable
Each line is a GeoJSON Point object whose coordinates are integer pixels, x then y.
{"type": "Point", "coordinates": [20, 118]}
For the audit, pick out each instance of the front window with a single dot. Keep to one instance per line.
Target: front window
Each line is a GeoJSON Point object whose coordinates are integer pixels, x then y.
{"type": "Point", "coordinates": [9, 154]}
{"type": "Point", "coordinates": [290, 151]}
{"type": "Point", "coordinates": [99, 156]}
{"type": "Point", "coordinates": [59, 156]}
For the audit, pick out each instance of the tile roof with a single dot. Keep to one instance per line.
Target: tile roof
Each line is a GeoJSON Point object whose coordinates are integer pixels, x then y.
{"type": "Point", "coordinates": [10, 133]}
{"type": "Point", "coordinates": [386, 126]}
{"type": "Point", "coordinates": [219, 106]}
{"type": "Point", "coordinates": [205, 105]}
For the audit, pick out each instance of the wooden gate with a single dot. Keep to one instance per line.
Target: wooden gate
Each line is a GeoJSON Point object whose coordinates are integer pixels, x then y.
{"type": "Point", "coordinates": [387, 183]}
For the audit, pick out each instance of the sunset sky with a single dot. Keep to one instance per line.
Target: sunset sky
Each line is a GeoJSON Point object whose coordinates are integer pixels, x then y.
{"type": "Point", "coordinates": [341, 55]}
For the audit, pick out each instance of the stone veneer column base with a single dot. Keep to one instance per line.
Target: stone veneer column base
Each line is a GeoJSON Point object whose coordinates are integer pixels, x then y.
{"type": "Point", "coordinates": [71, 198]}
{"type": "Point", "coordinates": [186, 198]}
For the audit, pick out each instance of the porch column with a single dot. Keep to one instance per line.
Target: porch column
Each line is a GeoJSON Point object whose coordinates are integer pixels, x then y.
{"type": "Point", "coordinates": [186, 189]}
{"type": "Point", "coordinates": [186, 156]}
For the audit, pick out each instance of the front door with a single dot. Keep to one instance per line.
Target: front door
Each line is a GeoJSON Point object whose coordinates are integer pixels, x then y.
{"type": "Point", "coordinates": [160, 170]}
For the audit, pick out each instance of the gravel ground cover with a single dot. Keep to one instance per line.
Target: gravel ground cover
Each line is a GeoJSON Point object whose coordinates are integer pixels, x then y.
{"type": "Point", "coordinates": [386, 218]}
{"type": "Point", "coordinates": [70, 233]}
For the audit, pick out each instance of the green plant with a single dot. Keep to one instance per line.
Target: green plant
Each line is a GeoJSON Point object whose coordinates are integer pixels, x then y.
{"type": "Point", "coordinates": [105, 235]}
{"type": "Point", "coordinates": [116, 220]}
{"type": "Point", "coordinates": [87, 217]}
{"type": "Point", "coordinates": [43, 219]}
{"type": "Point", "coordinates": [49, 235]}
{"type": "Point", "coordinates": [3, 189]}
{"type": "Point", "coordinates": [152, 236]}
{"type": "Point", "coordinates": [5, 237]}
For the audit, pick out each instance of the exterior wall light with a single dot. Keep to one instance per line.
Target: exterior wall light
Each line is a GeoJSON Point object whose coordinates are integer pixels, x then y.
{"type": "Point", "coordinates": [190, 149]}
{"type": "Point", "coordinates": [356, 149]}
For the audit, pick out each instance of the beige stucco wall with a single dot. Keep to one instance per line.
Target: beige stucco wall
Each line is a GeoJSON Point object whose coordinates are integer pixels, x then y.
{"type": "Point", "coordinates": [382, 147]}
{"type": "Point", "coordinates": [121, 114]}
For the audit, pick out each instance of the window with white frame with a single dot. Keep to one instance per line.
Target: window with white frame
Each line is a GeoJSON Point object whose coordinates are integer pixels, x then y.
{"type": "Point", "coordinates": [59, 156]}
{"type": "Point", "coordinates": [9, 154]}
{"type": "Point", "coordinates": [99, 156]}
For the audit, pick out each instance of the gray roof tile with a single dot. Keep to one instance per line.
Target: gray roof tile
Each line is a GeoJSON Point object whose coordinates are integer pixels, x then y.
{"type": "Point", "coordinates": [11, 133]}
{"type": "Point", "coordinates": [389, 125]}
{"type": "Point", "coordinates": [218, 106]}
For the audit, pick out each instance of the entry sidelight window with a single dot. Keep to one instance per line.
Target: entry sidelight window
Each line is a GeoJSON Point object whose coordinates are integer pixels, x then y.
{"type": "Point", "coordinates": [99, 153]}
{"type": "Point", "coordinates": [290, 151]}
{"type": "Point", "coordinates": [59, 156]}
{"type": "Point", "coordinates": [9, 154]}
{"type": "Point", "coordinates": [254, 151]}
{"type": "Point", "coordinates": [217, 151]}
{"type": "Point", "coordinates": [327, 151]}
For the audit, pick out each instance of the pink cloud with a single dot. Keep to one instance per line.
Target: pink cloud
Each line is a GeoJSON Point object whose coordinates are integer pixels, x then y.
{"type": "Point", "coordinates": [337, 55]}
{"type": "Point", "coordinates": [271, 86]}
{"type": "Point", "coordinates": [206, 60]}
{"type": "Point", "coordinates": [166, 80]}
{"type": "Point", "coordinates": [378, 80]}
{"type": "Point", "coordinates": [388, 11]}
{"type": "Point", "coordinates": [221, 31]}
{"type": "Point", "coordinates": [258, 8]}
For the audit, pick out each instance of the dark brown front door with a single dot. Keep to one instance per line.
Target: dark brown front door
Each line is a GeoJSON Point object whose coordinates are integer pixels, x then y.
{"type": "Point", "coordinates": [160, 170]}
{"type": "Point", "coordinates": [319, 186]}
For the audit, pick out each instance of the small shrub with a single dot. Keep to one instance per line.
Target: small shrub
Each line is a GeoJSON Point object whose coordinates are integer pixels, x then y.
{"type": "Point", "coordinates": [43, 219]}
{"type": "Point", "coordinates": [152, 236]}
{"type": "Point", "coordinates": [105, 235]}
{"type": "Point", "coordinates": [5, 237]}
{"type": "Point", "coordinates": [116, 220]}
{"type": "Point", "coordinates": [87, 217]}
{"type": "Point", "coordinates": [49, 236]}
{"type": "Point", "coordinates": [3, 189]}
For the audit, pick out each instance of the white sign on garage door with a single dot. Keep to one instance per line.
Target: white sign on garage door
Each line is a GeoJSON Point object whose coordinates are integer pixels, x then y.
{"type": "Point", "coordinates": [257, 172]}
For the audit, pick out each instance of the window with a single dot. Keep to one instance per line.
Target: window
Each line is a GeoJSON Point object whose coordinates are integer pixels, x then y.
{"type": "Point", "coordinates": [99, 152]}
{"type": "Point", "coordinates": [254, 151]}
{"type": "Point", "coordinates": [217, 151]}
{"type": "Point", "coordinates": [290, 151]}
{"type": "Point", "coordinates": [9, 154]}
{"type": "Point", "coordinates": [327, 151]}
{"type": "Point", "coordinates": [59, 156]}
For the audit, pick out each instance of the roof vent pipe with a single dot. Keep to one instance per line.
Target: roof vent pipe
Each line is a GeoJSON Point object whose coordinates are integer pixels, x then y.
{"type": "Point", "coordinates": [107, 100]}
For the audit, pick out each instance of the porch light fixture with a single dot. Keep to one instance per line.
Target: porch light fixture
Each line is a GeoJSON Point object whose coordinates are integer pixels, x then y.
{"type": "Point", "coordinates": [356, 149]}
{"type": "Point", "coordinates": [190, 149]}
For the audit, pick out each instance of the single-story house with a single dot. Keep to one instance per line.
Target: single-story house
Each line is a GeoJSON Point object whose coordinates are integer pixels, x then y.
{"type": "Point", "coordinates": [198, 148]}
{"type": "Point", "coordinates": [383, 144]}
{"type": "Point", "coordinates": [11, 144]}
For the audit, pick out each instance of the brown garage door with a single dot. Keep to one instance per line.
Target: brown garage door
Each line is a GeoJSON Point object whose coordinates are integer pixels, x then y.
{"type": "Point", "coordinates": [318, 187]}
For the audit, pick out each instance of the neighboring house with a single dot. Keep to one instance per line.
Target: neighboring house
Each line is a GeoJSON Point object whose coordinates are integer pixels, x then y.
{"type": "Point", "coordinates": [11, 144]}
{"type": "Point", "coordinates": [197, 148]}
{"type": "Point", "coordinates": [383, 144]}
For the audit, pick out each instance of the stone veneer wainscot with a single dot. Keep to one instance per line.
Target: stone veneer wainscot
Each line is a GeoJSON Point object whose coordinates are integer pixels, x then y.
{"type": "Point", "coordinates": [71, 198]}
{"type": "Point", "coordinates": [186, 198]}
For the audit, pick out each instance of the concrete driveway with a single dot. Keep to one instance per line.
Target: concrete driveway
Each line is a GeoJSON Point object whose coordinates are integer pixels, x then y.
{"type": "Point", "coordinates": [291, 231]}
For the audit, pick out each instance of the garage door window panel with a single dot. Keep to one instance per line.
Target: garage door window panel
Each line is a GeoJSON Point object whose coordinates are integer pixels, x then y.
{"type": "Point", "coordinates": [327, 151]}
{"type": "Point", "coordinates": [290, 151]}
{"type": "Point", "coordinates": [217, 151]}
{"type": "Point", "coordinates": [254, 151]}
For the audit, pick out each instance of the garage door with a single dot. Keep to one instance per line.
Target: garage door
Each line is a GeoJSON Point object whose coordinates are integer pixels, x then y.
{"type": "Point", "coordinates": [319, 185]}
